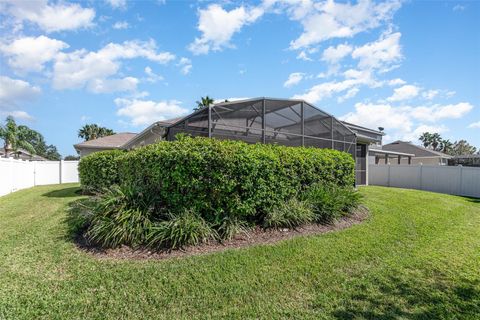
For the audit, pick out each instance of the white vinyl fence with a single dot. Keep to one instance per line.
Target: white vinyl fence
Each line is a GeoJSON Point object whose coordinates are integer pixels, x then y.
{"type": "Point", "coordinates": [20, 174]}
{"type": "Point", "coordinates": [463, 181]}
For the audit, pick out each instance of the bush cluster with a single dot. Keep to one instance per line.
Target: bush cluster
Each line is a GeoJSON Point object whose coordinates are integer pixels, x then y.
{"type": "Point", "coordinates": [191, 190]}
{"type": "Point", "coordinates": [99, 170]}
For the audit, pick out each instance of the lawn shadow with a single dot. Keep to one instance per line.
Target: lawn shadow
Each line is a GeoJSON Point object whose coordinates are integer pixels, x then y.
{"type": "Point", "coordinates": [472, 199]}
{"type": "Point", "coordinates": [69, 192]}
{"type": "Point", "coordinates": [400, 298]}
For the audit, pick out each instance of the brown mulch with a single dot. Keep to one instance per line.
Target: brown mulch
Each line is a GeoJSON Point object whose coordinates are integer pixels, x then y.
{"type": "Point", "coordinates": [254, 237]}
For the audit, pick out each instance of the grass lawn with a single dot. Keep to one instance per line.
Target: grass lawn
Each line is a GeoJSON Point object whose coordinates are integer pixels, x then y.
{"type": "Point", "coordinates": [418, 256]}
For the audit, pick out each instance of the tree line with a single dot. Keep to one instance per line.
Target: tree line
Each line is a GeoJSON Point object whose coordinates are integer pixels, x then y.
{"type": "Point", "coordinates": [434, 141]}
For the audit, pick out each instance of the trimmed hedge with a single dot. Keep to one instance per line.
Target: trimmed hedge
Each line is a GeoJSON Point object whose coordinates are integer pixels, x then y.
{"type": "Point", "coordinates": [226, 178]}
{"type": "Point", "coordinates": [99, 170]}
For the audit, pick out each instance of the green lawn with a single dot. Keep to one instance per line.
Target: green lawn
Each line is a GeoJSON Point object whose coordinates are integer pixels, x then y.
{"type": "Point", "coordinates": [418, 256]}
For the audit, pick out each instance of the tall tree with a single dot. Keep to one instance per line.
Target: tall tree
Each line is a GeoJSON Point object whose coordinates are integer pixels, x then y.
{"type": "Point", "coordinates": [446, 146]}
{"type": "Point", "coordinates": [426, 139]}
{"type": "Point", "coordinates": [94, 131]}
{"type": "Point", "coordinates": [204, 102]}
{"type": "Point", "coordinates": [38, 142]}
{"type": "Point", "coordinates": [436, 141]}
{"type": "Point", "coordinates": [462, 147]}
{"type": "Point", "coordinates": [13, 137]}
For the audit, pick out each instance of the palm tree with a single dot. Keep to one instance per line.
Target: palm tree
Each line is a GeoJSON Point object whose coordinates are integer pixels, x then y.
{"type": "Point", "coordinates": [204, 102]}
{"type": "Point", "coordinates": [446, 146]}
{"type": "Point", "coordinates": [13, 137]}
{"type": "Point", "coordinates": [436, 141]}
{"type": "Point", "coordinates": [94, 131]}
{"type": "Point", "coordinates": [426, 139]}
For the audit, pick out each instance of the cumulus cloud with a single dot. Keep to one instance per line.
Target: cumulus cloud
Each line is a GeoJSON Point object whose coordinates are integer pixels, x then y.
{"type": "Point", "coordinates": [439, 112]}
{"type": "Point", "coordinates": [152, 76]}
{"type": "Point", "coordinates": [294, 79]}
{"type": "Point", "coordinates": [82, 68]}
{"type": "Point", "coordinates": [353, 79]}
{"type": "Point", "coordinates": [185, 65]}
{"type": "Point", "coordinates": [112, 85]}
{"type": "Point", "coordinates": [405, 122]}
{"type": "Point", "coordinates": [474, 125]}
{"type": "Point", "coordinates": [396, 82]}
{"type": "Point", "coordinates": [31, 53]}
{"type": "Point", "coordinates": [430, 94]}
{"type": "Point", "coordinates": [13, 93]}
{"type": "Point", "coordinates": [329, 19]}
{"type": "Point", "coordinates": [380, 54]}
{"type": "Point", "coordinates": [145, 112]}
{"type": "Point", "coordinates": [117, 4]}
{"type": "Point", "coordinates": [335, 54]}
{"type": "Point", "coordinates": [15, 90]}
{"type": "Point", "coordinates": [121, 25]}
{"type": "Point", "coordinates": [404, 93]}
{"type": "Point", "coordinates": [218, 26]}
{"type": "Point", "coordinates": [51, 17]}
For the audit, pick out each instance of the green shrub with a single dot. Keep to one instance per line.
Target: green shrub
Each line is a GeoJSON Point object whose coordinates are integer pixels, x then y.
{"type": "Point", "coordinates": [219, 178]}
{"type": "Point", "coordinates": [330, 202]}
{"type": "Point", "coordinates": [290, 214]}
{"type": "Point", "coordinates": [179, 230]}
{"type": "Point", "coordinates": [99, 170]}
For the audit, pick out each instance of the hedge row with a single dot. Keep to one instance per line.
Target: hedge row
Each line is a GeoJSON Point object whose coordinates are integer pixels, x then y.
{"type": "Point", "coordinates": [218, 178]}
{"type": "Point", "coordinates": [99, 170]}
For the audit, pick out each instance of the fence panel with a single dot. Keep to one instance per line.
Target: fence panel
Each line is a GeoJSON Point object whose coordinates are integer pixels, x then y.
{"type": "Point", "coordinates": [19, 174]}
{"type": "Point", "coordinates": [458, 180]}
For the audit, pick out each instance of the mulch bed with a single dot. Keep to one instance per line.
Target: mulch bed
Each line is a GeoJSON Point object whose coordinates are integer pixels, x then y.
{"type": "Point", "coordinates": [254, 237]}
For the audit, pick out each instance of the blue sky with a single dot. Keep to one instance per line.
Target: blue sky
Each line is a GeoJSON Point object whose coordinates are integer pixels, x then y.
{"type": "Point", "coordinates": [408, 66]}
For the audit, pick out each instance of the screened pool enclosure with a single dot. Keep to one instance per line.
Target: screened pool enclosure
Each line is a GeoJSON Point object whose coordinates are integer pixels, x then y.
{"type": "Point", "coordinates": [265, 120]}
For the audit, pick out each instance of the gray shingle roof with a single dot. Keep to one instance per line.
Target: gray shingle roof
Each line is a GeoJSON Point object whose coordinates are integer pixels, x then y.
{"type": "Point", "coordinates": [113, 141]}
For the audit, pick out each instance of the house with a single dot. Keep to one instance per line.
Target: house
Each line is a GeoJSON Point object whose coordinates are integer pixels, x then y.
{"type": "Point", "coordinates": [115, 141]}
{"type": "Point", "coordinates": [421, 155]}
{"type": "Point", "coordinates": [22, 154]}
{"type": "Point", "coordinates": [269, 120]}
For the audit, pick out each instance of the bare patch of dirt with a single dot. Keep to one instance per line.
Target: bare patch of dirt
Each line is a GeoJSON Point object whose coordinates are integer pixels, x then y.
{"type": "Point", "coordinates": [257, 236]}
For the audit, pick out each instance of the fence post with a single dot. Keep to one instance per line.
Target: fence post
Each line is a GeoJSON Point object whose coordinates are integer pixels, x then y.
{"type": "Point", "coordinates": [60, 177]}
{"type": "Point", "coordinates": [420, 187]}
{"type": "Point", "coordinates": [460, 180]}
{"type": "Point", "coordinates": [388, 175]}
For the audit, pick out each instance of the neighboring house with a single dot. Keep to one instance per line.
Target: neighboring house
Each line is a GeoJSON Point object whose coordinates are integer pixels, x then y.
{"type": "Point", "coordinates": [115, 141]}
{"type": "Point", "coordinates": [22, 155]}
{"type": "Point", "coordinates": [469, 160]}
{"type": "Point", "coordinates": [421, 155]}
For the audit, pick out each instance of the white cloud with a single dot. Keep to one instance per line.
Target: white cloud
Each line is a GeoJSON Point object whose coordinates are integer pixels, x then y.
{"type": "Point", "coordinates": [53, 17]}
{"type": "Point", "coordinates": [405, 122]}
{"type": "Point", "coordinates": [145, 112]}
{"type": "Point", "coordinates": [112, 85]}
{"type": "Point", "coordinates": [185, 65]}
{"type": "Point", "coordinates": [14, 90]}
{"type": "Point", "coordinates": [152, 76]}
{"type": "Point", "coordinates": [89, 68]}
{"type": "Point", "coordinates": [404, 93]}
{"type": "Point", "coordinates": [218, 26]}
{"type": "Point", "coordinates": [430, 94]}
{"type": "Point", "coordinates": [354, 78]}
{"type": "Point", "coordinates": [380, 54]}
{"type": "Point", "coordinates": [117, 4]}
{"type": "Point", "coordinates": [335, 54]}
{"type": "Point", "coordinates": [350, 94]}
{"type": "Point", "coordinates": [121, 25]}
{"type": "Point", "coordinates": [30, 54]}
{"type": "Point", "coordinates": [17, 114]}
{"type": "Point", "coordinates": [294, 79]}
{"type": "Point", "coordinates": [304, 56]}
{"type": "Point", "coordinates": [474, 125]}
{"type": "Point", "coordinates": [458, 7]}
{"type": "Point", "coordinates": [439, 112]}
{"type": "Point", "coordinates": [396, 82]}
{"type": "Point", "coordinates": [327, 20]}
